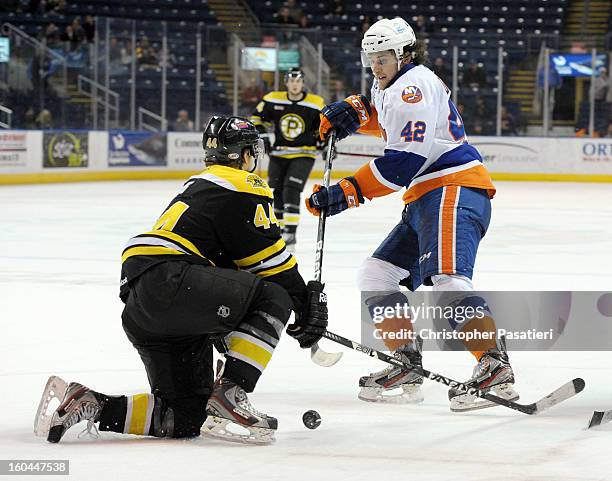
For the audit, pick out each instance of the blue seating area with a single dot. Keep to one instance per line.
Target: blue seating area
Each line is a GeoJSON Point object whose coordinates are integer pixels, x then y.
{"type": "Point", "coordinates": [477, 27]}
{"type": "Point", "coordinates": [168, 10]}
{"type": "Point", "coordinates": [183, 20]}
{"type": "Point", "coordinates": [538, 17]}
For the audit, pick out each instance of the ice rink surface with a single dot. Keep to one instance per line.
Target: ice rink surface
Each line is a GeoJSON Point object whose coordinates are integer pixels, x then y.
{"type": "Point", "coordinates": [59, 273]}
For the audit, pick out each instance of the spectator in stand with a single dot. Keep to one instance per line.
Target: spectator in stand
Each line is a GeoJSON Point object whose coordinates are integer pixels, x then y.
{"type": "Point", "coordinates": [251, 95]}
{"type": "Point", "coordinates": [476, 129]}
{"type": "Point", "coordinates": [55, 7]}
{"type": "Point", "coordinates": [182, 122]}
{"type": "Point", "coordinates": [508, 124]}
{"type": "Point", "coordinates": [78, 29]}
{"type": "Point", "coordinates": [475, 77]}
{"type": "Point", "coordinates": [481, 110]}
{"type": "Point", "coordinates": [422, 27]}
{"type": "Point", "coordinates": [149, 58]}
{"type": "Point", "coordinates": [44, 120]}
{"type": "Point", "coordinates": [366, 23]}
{"type": "Point", "coordinates": [480, 114]}
{"type": "Point", "coordinates": [304, 21]}
{"type": "Point", "coordinates": [169, 59]}
{"type": "Point", "coordinates": [602, 85]}
{"type": "Point", "coordinates": [441, 71]}
{"type": "Point", "coordinates": [339, 92]}
{"type": "Point", "coordinates": [295, 12]}
{"type": "Point", "coordinates": [71, 37]}
{"type": "Point", "coordinates": [114, 53]}
{"type": "Point", "coordinates": [89, 27]}
{"type": "Point", "coordinates": [126, 53]}
{"type": "Point", "coordinates": [52, 35]}
{"type": "Point", "coordinates": [461, 110]}
{"type": "Point", "coordinates": [336, 7]}
{"type": "Point", "coordinates": [29, 119]}
{"type": "Point", "coordinates": [284, 18]}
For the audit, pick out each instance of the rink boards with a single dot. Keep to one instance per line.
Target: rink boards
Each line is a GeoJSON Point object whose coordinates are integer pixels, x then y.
{"type": "Point", "coordinates": [80, 155]}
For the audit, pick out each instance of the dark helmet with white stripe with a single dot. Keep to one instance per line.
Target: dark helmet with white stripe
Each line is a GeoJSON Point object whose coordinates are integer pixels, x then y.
{"type": "Point", "coordinates": [225, 139]}
{"type": "Point", "coordinates": [294, 72]}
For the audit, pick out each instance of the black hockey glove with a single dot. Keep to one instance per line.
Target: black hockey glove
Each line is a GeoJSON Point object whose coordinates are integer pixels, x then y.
{"type": "Point", "coordinates": [310, 324]}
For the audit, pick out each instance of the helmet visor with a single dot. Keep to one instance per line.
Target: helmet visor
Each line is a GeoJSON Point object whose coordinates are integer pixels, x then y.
{"type": "Point", "coordinates": [372, 59]}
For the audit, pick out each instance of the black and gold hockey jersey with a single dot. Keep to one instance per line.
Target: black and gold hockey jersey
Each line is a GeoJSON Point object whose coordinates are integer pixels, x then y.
{"type": "Point", "coordinates": [296, 123]}
{"type": "Point", "coordinates": [223, 217]}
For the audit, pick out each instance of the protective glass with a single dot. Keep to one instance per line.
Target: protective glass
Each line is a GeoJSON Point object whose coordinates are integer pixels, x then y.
{"type": "Point", "coordinates": [377, 58]}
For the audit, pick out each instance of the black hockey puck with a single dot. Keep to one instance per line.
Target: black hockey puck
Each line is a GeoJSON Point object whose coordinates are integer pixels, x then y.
{"type": "Point", "coordinates": [311, 419]}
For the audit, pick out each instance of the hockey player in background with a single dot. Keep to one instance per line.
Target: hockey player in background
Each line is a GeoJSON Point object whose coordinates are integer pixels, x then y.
{"type": "Point", "coordinates": [214, 269]}
{"type": "Point", "coordinates": [295, 116]}
{"type": "Point", "coordinates": [447, 206]}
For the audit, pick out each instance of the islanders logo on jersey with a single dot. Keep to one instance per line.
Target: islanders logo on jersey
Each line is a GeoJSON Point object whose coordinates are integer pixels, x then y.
{"type": "Point", "coordinates": [412, 94]}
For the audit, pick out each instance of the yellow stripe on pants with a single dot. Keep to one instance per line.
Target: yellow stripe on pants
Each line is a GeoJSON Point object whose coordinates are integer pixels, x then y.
{"type": "Point", "coordinates": [250, 351]}
{"type": "Point", "coordinates": [139, 414]}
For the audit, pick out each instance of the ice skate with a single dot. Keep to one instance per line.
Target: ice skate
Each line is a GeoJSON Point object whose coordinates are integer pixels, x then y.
{"type": "Point", "coordinates": [395, 384]}
{"type": "Point", "coordinates": [493, 373]}
{"type": "Point", "coordinates": [290, 241]}
{"type": "Point", "coordinates": [54, 391]}
{"type": "Point", "coordinates": [229, 405]}
{"type": "Point", "coordinates": [79, 403]}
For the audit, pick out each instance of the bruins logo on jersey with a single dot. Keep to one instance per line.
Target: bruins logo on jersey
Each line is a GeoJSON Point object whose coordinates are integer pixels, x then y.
{"type": "Point", "coordinates": [256, 181]}
{"type": "Point", "coordinates": [292, 126]}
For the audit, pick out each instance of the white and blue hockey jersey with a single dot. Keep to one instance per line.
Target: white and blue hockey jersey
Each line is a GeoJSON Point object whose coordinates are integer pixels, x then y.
{"type": "Point", "coordinates": [426, 145]}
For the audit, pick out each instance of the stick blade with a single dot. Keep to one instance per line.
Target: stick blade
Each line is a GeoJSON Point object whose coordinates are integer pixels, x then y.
{"type": "Point", "coordinates": [322, 358]}
{"type": "Point", "coordinates": [565, 392]}
{"type": "Point", "coordinates": [599, 418]}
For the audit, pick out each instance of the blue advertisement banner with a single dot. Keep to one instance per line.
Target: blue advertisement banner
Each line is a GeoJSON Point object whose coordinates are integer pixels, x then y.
{"type": "Point", "coordinates": [132, 149]}
{"type": "Point", "coordinates": [576, 65]}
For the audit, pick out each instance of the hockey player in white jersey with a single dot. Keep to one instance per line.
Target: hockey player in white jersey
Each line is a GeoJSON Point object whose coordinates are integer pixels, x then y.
{"type": "Point", "coordinates": [447, 207]}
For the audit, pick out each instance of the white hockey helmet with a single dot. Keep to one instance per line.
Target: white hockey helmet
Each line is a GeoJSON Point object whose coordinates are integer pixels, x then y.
{"type": "Point", "coordinates": [387, 34]}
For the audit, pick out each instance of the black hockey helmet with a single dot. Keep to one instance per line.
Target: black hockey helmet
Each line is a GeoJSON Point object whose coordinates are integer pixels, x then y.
{"type": "Point", "coordinates": [225, 138]}
{"type": "Point", "coordinates": [294, 72]}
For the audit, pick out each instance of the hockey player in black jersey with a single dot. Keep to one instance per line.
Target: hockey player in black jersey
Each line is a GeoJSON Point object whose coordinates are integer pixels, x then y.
{"type": "Point", "coordinates": [214, 269]}
{"type": "Point", "coordinates": [295, 116]}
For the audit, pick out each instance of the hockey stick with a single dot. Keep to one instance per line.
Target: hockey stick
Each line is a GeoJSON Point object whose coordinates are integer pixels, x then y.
{"type": "Point", "coordinates": [353, 154]}
{"type": "Point", "coordinates": [559, 395]}
{"type": "Point", "coordinates": [318, 355]}
{"type": "Point", "coordinates": [599, 418]}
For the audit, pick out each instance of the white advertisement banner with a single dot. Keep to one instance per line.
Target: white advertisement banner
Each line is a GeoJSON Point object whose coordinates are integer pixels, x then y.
{"type": "Point", "coordinates": [531, 155]}
{"type": "Point", "coordinates": [13, 149]}
{"type": "Point", "coordinates": [593, 156]}
{"type": "Point", "coordinates": [185, 151]}
{"type": "Point", "coordinates": [20, 151]}
{"type": "Point", "coordinates": [512, 154]}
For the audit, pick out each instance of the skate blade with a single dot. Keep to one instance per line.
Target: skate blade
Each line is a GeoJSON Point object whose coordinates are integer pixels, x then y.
{"type": "Point", "coordinates": [217, 428]}
{"type": "Point", "coordinates": [55, 389]}
{"type": "Point", "coordinates": [469, 402]}
{"type": "Point", "coordinates": [410, 394]}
